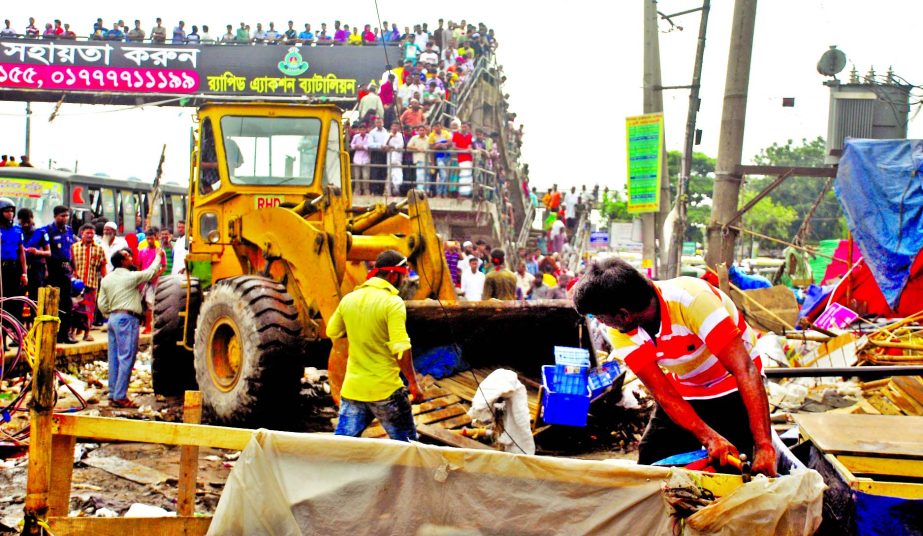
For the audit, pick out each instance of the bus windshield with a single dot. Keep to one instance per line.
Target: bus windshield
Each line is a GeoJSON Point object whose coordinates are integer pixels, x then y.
{"type": "Point", "coordinates": [271, 151]}
{"type": "Point", "coordinates": [38, 195]}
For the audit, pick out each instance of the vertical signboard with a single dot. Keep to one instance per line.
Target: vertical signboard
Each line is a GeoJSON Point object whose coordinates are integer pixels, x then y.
{"type": "Point", "coordinates": [645, 154]}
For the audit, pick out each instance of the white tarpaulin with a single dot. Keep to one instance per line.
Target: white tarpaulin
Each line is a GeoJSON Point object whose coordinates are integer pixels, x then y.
{"type": "Point", "coordinates": [290, 484]}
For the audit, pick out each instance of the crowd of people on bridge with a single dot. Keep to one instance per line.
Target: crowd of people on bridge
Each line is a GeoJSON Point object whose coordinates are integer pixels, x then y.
{"type": "Point", "coordinates": [405, 134]}
{"type": "Point", "coordinates": [412, 42]}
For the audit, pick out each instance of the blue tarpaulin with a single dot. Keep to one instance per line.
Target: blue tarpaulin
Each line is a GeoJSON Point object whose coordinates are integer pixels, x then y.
{"type": "Point", "coordinates": [879, 187]}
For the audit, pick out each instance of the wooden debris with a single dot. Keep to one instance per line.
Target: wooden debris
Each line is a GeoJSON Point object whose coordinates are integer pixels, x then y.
{"type": "Point", "coordinates": [452, 439]}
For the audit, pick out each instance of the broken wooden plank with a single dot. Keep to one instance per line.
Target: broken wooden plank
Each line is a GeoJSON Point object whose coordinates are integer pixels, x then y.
{"type": "Point", "coordinates": [189, 457]}
{"type": "Point", "coordinates": [911, 386]}
{"type": "Point", "coordinates": [881, 435]}
{"type": "Point", "coordinates": [434, 392]}
{"type": "Point", "coordinates": [434, 404]}
{"type": "Point", "coordinates": [440, 415]}
{"type": "Point", "coordinates": [452, 439]}
{"type": "Point", "coordinates": [130, 526]}
{"type": "Point", "coordinates": [167, 433]}
{"type": "Point", "coordinates": [455, 422]}
{"type": "Point", "coordinates": [375, 429]}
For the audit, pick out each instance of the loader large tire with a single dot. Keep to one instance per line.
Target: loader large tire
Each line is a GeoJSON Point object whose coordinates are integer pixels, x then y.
{"type": "Point", "coordinates": [248, 352]}
{"type": "Point", "coordinates": [172, 367]}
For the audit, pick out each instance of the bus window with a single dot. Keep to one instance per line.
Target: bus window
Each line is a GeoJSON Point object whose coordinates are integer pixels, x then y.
{"type": "Point", "coordinates": [179, 208]}
{"type": "Point", "coordinates": [157, 219]}
{"type": "Point", "coordinates": [131, 209]}
{"type": "Point", "coordinates": [94, 201]}
{"type": "Point", "coordinates": [40, 196]}
{"type": "Point", "coordinates": [107, 205]}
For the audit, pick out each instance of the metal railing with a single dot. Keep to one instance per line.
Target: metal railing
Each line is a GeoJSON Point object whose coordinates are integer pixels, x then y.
{"type": "Point", "coordinates": [211, 41]}
{"type": "Point", "coordinates": [446, 180]}
{"type": "Point", "coordinates": [579, 242]}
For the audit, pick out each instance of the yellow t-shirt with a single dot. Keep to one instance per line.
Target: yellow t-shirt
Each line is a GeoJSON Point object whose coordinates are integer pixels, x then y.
{"type": "Point", "coordinates": [354, 39]}
{"type": "Point", "coordinates": [374, 318]}
{"type": "Point", "coordinates": [549, 281]}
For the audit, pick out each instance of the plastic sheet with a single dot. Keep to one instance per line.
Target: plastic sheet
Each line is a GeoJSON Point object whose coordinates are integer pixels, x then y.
{"type": "Point", "coordinates": [788, 505]}
{"type": "Point", "coordinates": [878, 185]}
{"type": "Point", "coordinates": [441, 362]}
{"type": "Point", "coordinates": [288, 484]}
{"type": "Point", "coordinates": [745, 281]}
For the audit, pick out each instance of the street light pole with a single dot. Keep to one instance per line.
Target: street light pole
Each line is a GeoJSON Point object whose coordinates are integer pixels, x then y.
{"type": "Point", "coordinates": [28, 129]}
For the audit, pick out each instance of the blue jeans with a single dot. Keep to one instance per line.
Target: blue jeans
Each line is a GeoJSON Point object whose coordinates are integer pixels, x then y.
{"type": "Point", "coordinates": [394, 413]}
{"type": "Point", "coordinates": [442, 176]}
{"type": "Point", "coordinates": [123, 347]}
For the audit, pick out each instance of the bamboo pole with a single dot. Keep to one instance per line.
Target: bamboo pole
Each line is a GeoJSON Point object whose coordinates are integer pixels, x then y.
{"type": "Point", "coordinates": [41, 408]}
{"type": "Point", "coordinates": [189, 457]}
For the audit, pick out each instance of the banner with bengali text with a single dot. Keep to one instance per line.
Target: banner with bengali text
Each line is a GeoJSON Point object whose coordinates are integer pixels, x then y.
{"type": "Point", "coordinates": [121, 71]}
{"type": "Point", "coordinates": [645, 159]}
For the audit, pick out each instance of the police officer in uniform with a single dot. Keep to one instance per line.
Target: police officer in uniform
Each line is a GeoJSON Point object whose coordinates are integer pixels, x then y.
{"type": "Point", "coordinates": [36, 243]}
{"type": "Point", "coordinates": [13, 278]}
{"type": "Point", "coordinates": [60, 267]}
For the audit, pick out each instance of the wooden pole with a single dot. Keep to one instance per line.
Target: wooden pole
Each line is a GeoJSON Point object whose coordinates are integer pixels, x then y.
{"type": "Point", "coordinates": [189, 457]}
{"type": "Point", "coordinates": [40, 408]}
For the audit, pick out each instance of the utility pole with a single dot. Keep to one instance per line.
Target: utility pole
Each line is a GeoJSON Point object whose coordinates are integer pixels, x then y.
{"type": "Point", "coordinates": [653, 103]}
{"type": "Point", "coordinates": [674, 263]}
{"type": "Point", "coordinates": [726, 192]}
{"type": "Point", "coordinates": [28, 129]}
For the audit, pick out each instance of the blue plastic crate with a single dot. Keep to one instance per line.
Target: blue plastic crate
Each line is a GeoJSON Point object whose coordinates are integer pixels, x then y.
{"type": "Point", "coordinates": [562, 408]}
{"type": "Point", "coordinates": [578, 357]}
{"type": "Point", "coordinates": [600, 378]}
{"type": "Point", "coordinates": [570, 379]}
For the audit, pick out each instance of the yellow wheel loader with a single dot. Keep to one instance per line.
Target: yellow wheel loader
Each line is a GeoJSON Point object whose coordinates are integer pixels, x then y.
{"type": "Point", "coordinates": [273, 244]}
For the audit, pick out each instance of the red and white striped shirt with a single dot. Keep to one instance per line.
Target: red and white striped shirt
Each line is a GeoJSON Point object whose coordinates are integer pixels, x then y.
{"type": "Point", "coordinates": [697, 322]}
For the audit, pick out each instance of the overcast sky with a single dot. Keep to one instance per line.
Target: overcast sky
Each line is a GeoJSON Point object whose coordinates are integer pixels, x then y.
{"type": "Point", "coordinates": [574, 73]}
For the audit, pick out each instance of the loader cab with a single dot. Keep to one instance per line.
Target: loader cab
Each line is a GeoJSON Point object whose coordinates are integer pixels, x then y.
{"type": "Point", "coordinates": [257, 156]}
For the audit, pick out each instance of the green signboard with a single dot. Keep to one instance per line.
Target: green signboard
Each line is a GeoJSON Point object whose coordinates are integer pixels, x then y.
{"type": "Point", "coordinates": [645, 157]}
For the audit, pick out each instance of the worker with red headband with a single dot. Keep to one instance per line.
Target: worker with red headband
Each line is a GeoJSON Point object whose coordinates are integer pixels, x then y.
{"type": "Point", "coordinates": [500, 283]}
{"type": "Point", "coordinates": [373, 317]}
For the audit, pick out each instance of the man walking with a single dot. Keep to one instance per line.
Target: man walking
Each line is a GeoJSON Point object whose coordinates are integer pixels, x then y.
{"type": "Point", "coordinates": [712, 393]}
{"type": "Point", "coordinates": [120, 300]}
{"type": "Point", "coordinates": [60, 268]}
{"type": "Point", "coordinates": [90, 263]}
{"type": "Point", "coordinates": [373, 318]}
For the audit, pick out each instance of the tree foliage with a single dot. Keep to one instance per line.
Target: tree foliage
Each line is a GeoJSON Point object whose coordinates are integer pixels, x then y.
{"type": "Point", "coordinates": [800, 193]}
{"type": "Point", "coordinates": [613, 207]}
{"type": "Point", "coordinates": [778, 215]}
{"type": "Point", "coordinates": [699, 190]}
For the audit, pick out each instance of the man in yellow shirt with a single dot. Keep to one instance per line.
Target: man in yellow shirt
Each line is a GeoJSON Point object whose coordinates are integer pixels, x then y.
{"type": "Point", "coordinates": [373, 317]}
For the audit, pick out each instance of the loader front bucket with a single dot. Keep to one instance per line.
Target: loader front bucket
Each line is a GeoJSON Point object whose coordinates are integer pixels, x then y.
{"type": "Point", "coordinates": [520, 335]}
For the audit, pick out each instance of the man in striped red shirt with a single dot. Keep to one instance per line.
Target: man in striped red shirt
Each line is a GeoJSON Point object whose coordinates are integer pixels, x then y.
{"type": "Point", "coordinates": [691, 347]}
